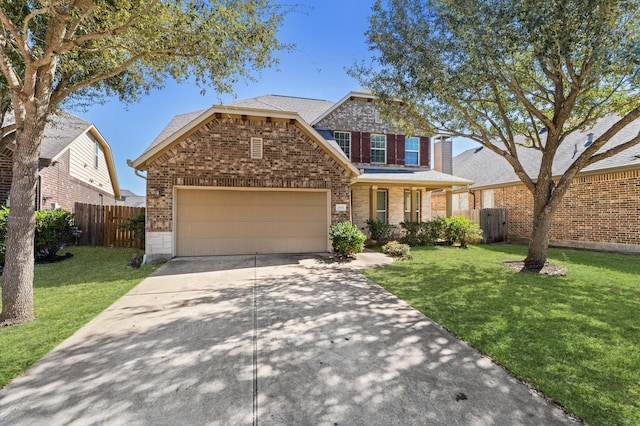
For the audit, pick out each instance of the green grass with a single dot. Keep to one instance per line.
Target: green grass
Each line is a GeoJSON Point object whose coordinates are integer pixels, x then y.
{"type": "Point", "coordinates": [67, 295]}
{"type": "Point", "coordinates": [575, 338]}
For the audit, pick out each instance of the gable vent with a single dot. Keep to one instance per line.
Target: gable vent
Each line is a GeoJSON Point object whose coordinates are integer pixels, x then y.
{"type": "Point", "coordinates": [256, 147]}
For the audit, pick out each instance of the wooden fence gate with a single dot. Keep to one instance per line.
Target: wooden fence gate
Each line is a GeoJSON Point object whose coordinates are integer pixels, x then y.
{"type": "Point", "coordinates": [494, 225]}
{"type": "Point", "coordinates": [100, 226]}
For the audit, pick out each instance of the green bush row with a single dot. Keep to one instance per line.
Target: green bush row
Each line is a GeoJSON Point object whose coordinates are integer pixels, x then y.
{"type": "Point", "coordinates": [53, 231]}
{"type": "Point", "coordinates": [445, 230]}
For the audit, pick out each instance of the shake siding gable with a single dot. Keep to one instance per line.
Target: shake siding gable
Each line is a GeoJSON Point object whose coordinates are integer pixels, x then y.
{"type": "Point", "coordinates": [81, 167]}
{"type": "Point", "coordinates": [424, 151]}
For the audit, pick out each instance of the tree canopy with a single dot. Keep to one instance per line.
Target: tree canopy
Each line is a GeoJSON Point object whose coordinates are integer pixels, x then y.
{"type": "Point", "coordinates": [511, 74]}
{"type": "Point", "coordinates": [59, 52]}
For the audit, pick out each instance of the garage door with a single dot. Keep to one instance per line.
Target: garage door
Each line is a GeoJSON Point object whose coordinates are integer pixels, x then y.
{"type": "Point", "coordinates": [216, 222]}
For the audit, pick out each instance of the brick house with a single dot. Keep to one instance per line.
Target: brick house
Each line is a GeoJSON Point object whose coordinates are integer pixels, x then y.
{"type": "Point", "coordinates": [271, 174]}
{"type": "Point", "coordinates": [600, 211]}
{"type": "Point", "coordinates": [76, 165]}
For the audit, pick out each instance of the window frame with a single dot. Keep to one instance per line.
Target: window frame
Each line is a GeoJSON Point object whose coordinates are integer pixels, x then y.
{"type": "Point", "coordinates": [385, 211]}
{"type": "Point", "coordinates": [487, 194]}
{"type": "Point", "coordinates": [96, 159]}
{"type": "Point", "coordinates": [384, 148]}
{"type": "Point", "coordinates": [407, 212]}
{"type": "Point", "coordinates": [348, 151]}
{"type": "Point", "coordinates": [407, 150]}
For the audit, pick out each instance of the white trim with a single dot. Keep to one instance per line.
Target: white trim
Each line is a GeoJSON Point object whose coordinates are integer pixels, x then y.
{"type": "Point", "coordinates": [256, 148]}
{"type": "Point", "coordinates": [377, 149]}
{"type": "Point", "coordinates": [346, 133]}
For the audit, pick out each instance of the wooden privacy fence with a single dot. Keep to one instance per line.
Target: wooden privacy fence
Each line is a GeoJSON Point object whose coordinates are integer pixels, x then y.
{"type": "Point", "coordinates": [99, 226]}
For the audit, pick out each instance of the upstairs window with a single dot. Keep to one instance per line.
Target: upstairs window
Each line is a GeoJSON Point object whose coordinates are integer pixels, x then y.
{"type": "Point", "coordinates": [96, 158]}
{"type": "Point", "coordinates": [379, 149]}
{"type": "Point", "coordinates": [412, 151]}
{"type": "Point", "coordinates": [343, 140]}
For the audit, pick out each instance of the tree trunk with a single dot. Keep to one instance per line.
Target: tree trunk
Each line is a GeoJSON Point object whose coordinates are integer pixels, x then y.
{"type": "Point", "coordinates": [539, 242]}
{"type": "Point", "coordinates": [17, 279]}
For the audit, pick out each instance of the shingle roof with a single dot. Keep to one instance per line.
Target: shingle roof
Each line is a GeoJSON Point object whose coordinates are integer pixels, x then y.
{"type": "Point", "coordinates": [417, 177]}
{"type": "Point", "coordinates": [61, 129]}
{"type": "Point", "coordinates": [307, 108]}
{"type": "Point", "coordinates": [486, 168]}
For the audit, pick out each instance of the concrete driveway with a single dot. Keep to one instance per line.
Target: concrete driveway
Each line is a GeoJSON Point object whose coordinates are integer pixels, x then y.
{"type": "Point", "coordinates": [275, 340]}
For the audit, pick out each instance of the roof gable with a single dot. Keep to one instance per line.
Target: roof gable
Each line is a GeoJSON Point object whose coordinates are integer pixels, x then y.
{"type": "Point", "coordinates": [200, 119]}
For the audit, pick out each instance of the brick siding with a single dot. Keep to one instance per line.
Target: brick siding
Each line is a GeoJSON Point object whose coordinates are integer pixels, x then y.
{"type": "Point", "coordinates": [358, 116]}
{"type": "Point", "coordinates": [55, 184]}
{"type": "Point", "coordinates": [218, 154]}
{"type": "Point", "coordinates": [603, 208]}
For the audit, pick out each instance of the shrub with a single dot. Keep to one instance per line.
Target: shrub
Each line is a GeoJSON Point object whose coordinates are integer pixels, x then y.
{"type": "Point", "coordinates": [462, 230]}
{"type": "Point", "coordinates": [378, 230]}
{"type": "Point", "coordinates": [346, 239]}
{"type": "Point", "coordinates": [53, 231]}
{"type": "Point", "coordinates": [398, 250]}
{"type": "Point", "coordinates": [417, 234]}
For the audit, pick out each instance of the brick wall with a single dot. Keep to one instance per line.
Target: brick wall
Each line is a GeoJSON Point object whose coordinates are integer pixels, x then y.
{"type": "Point", "coordinates": [218, 154]}
{"type": "Point", "coordinates": [597, 210]}
{"type": "Point", "coordinates": [55, 184]}
{"type": "Point", "coordinates": [60, 188]}
{"type": "Point", "coordinates": [6, 174]}
{"type": "Point", "coordinates": [358, 116]}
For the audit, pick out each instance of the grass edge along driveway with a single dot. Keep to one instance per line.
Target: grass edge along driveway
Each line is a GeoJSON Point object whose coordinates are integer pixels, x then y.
{"type": "Point", "coordinates": [574, 338]}
{"type": "Point", "coordinates": [67, 295]}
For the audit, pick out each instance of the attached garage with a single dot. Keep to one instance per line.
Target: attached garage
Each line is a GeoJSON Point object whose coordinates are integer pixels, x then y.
{"type": "Point", "coordinates": [216, 221]}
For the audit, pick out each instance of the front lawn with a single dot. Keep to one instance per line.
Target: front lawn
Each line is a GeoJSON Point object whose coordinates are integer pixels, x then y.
{"type": "Point", "coordinates": [575, 338]}
{"type": "Point", "coordinates": [67, 295]}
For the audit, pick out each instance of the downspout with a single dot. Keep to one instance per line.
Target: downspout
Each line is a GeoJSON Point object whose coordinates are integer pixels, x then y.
{"type": "Point", "coordinates": [136, 171]}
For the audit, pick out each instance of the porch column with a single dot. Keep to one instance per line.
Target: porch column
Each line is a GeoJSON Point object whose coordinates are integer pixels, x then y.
{"type": "Point", "coordinates": [449, 192]}
{"type": "Point", "coordinates": [373, 202]}
{"type": "Point", "coordinates": [414, 205]}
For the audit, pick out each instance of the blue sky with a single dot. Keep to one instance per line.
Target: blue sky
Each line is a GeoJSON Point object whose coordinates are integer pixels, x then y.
{"type": "Point", "coordinates": [329, 39]}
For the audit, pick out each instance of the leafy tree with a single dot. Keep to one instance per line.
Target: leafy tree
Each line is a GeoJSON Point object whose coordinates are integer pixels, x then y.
{"type": "Point", "coordinates": [84, 51]}
{"type": "Point", "coordinates": [511, 74]}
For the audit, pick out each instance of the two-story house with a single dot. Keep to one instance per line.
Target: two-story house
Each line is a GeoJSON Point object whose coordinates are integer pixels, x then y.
{"type": "Point", "coordinates": [75, 165]}
{"type": "Point", "coordinates": [271, 174]}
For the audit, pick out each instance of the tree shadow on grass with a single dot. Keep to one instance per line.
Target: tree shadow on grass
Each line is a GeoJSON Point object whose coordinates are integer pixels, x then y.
{"type": "Point", "coordinates": [332, 348]}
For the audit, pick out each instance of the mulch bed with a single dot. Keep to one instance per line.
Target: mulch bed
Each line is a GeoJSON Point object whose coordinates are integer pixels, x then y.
{"type": "Point", "coordinates": [548, 269]}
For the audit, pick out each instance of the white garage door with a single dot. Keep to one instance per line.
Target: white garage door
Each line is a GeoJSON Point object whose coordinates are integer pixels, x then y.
{"type": "Point", "coordinates": [216, 222]}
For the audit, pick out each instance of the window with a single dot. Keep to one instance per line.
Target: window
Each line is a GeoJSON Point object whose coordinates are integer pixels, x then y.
{"type": "Point", "coordinates": [376, 116]}
{"type": "Point", "coordinates": [460, 202]}
{"type": "Point", "coordinates": [411, 151]}
{"type": "Point", "coordinates": [99, 199]}
{"type": "Point", "coordinates": [487, 199]}
{"type": "Point", "coordinates": [344, 142]}
{"type": "Point", "coordinates": [97, 155]}
{"type": "Point", "coordinates": [381, 205]}
{"type": "Point", "coordinates": [407, 206]}
{"type": "Point", "coordinates": [256, 148]}
{"type": "Point", "coordinates": [379, 149]}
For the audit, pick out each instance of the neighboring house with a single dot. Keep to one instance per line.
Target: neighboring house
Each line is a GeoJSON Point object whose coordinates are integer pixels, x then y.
{"type": "Point", "coordinates": [128, 198]}
{"type": "Point", "coordinates": [271, 174]}
{"type": "Point", "coordinates": [75, 166]}
{"type": "Point", "coordinates": [600, 211]}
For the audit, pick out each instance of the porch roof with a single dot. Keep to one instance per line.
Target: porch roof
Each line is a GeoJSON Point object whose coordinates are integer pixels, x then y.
{"type": "Point", "coordinates": [429, 179]}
